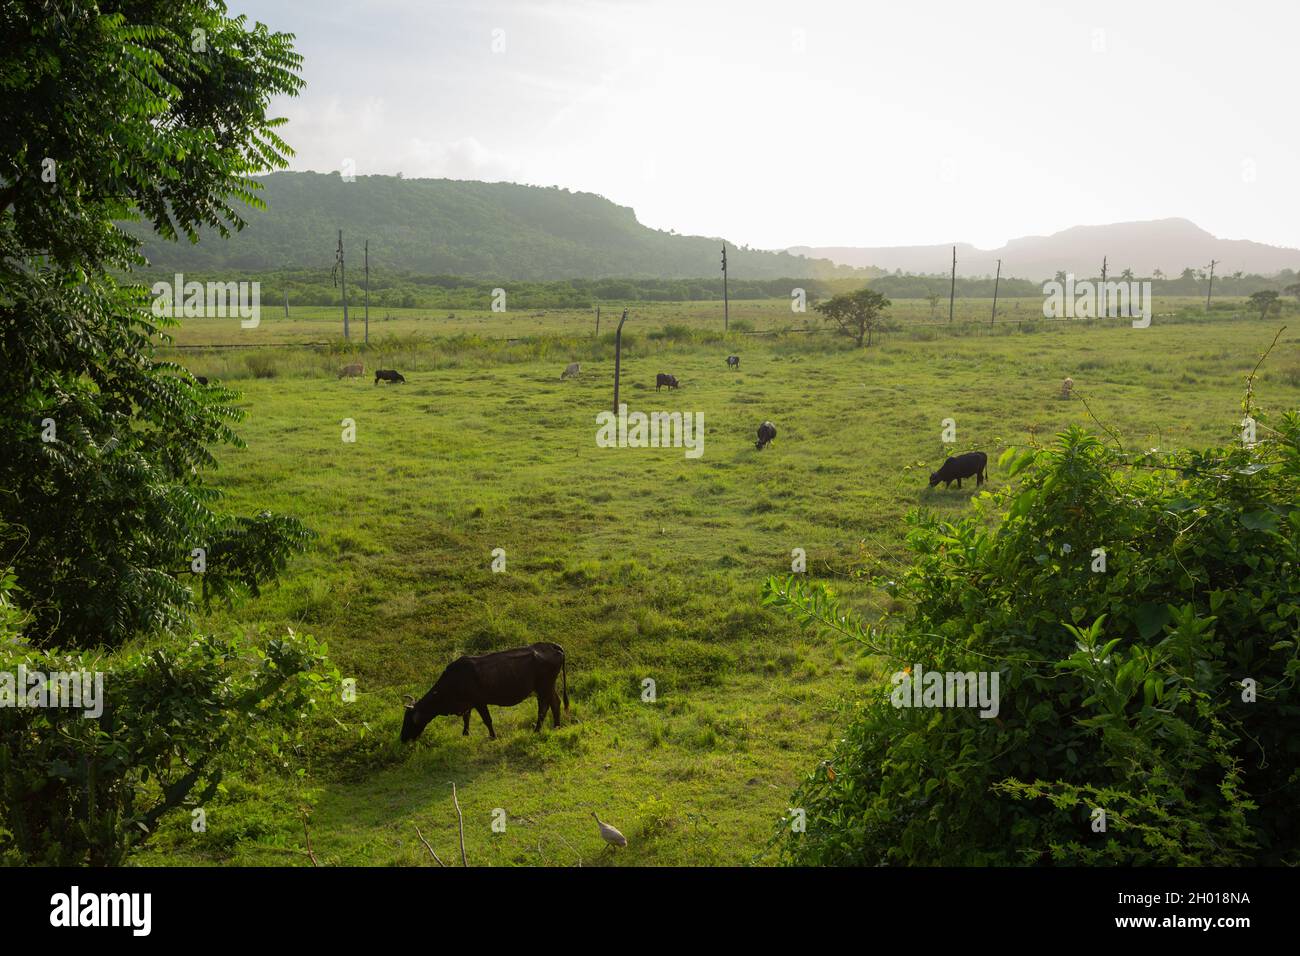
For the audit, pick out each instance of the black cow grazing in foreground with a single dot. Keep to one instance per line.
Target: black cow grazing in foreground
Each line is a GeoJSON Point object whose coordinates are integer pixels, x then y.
{"type": "Point", "coordinates": [502, 679]}
{"type": "Point", "coordinates": [663, 379]}
{"type": "Point", "coordinates": [733, 361]}
{"type": "Point", "coordinates": [766, 432]}
{"type": "Point", "coordinates": [389, 376]}
{"type": "Point", "coordinates": [973, 463]}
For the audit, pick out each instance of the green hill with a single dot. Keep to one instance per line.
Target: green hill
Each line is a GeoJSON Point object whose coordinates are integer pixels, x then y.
{"type": "Point", "coordinates": [451, 227]}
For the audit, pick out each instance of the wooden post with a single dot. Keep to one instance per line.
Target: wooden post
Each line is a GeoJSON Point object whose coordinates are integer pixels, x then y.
{"type": "Point", "coordinates": [618, 357]}
{"type": "Point", "coordinates": [1101, 311]}
{"type": "Point", "coordinates": [996, 280]}
{"type": "Point", "coordinates": [367, 291]}
{"type": "Point", "coordinates": [1211, 289]}
{"type": "Point", "coordinates": [286, 302]}
{"type": "Point", "coordinates": [726, 311]}
{"type": "Point", "coordinates": [952, 289]}
{"type": "Point", "coordinates": [597, 321]}
{"type": "Point", "coordinates": [338, 270]}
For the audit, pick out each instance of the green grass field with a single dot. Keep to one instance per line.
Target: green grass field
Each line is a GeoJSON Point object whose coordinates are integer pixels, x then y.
{"type": "Point", "coordinates": [642, 563]}
{"type": "Point", "coordinates": [316, 324]}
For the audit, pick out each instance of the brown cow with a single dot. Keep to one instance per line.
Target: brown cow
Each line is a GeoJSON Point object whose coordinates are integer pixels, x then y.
{"type": "Point", "coordinates": [503, 679]}
{"type": "Point", "coordinates": [352, 371]}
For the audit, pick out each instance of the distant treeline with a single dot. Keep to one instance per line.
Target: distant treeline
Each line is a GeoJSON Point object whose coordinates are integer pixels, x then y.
{"type": "Point", "coordinates": [1190, 282]}
{"type": "Point", "coordinates": [413, 291]}
{"type": "Point", "coordinates": [920, 287]}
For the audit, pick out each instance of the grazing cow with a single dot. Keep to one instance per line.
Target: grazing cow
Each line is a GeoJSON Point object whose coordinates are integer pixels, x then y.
{"type": "Point", "coordinates": [390, 375]}
{"type": "Point", "coordinates": [973, 463]}
{"type": "Point", "coordinates": [502, 679]}
{"type": "Point", "coordinates": [570, 370]}
{"type": "Point", "coordinates": [352, 371]}
{"type": "Point", "coordinates": [1067, 387]}
{"type": "Point", "coordinates": [733, 361]}
{"type": "Point", "coordinates": [766, 432]}
{"type": "Point", "coordinates": [663, 379]}
{"type": "Point", "coordinates": [201, 379]}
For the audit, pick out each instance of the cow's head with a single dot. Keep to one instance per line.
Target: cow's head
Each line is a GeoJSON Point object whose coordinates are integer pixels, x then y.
{"type": "Point", "coordinates": [935, 478]}
{"type": "Point", "coordinates": [413, 721]}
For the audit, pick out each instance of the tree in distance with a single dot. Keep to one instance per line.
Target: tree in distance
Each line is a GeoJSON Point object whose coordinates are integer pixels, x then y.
{"type": "Point", "coordinates": [1264, 301]}
{"type": "Point", "coordinates": [856, 314]}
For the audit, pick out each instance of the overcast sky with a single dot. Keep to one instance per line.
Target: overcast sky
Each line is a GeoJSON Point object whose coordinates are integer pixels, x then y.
{"type": "Point", "coordinates": [808, 123]}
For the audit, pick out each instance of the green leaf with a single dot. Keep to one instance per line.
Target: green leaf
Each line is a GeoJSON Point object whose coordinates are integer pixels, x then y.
{"type": "Point", "coordinates": [1151, 619]}
{"type": "Point", "coordinates": [1259, 520]}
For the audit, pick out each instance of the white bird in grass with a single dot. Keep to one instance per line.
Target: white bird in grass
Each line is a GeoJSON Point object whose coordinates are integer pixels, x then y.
{"type": "Point", "coordinates": [609, 834]}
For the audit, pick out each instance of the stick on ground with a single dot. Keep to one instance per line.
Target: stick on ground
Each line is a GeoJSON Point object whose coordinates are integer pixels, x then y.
{"type": "Point", "coordinates": [461, 822]}
{"type": "Point", "coordinates": [307, 833]}
{"type": "Point", "coordinates": [426, 845]}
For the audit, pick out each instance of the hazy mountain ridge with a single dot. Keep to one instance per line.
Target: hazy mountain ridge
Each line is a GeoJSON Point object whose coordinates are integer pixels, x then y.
{"type": "Point", "coordinates": [467, 228]}
{"type": "Point", "coordinates": [1170, 245]}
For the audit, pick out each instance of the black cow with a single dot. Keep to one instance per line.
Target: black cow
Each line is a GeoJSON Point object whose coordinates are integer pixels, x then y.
{"type": "Point", "coordinates": [973, 463]}
{"type": "Point", "coordinates": [733, 361]}
{"type": "Point", "coordinates": [766, 432]}
{"type": "Point", "coordinates": [502, 679]}
{"type": "Point", "coordinates": [388, 376]}
{"type": "Point", "coordinates": [663, 379]}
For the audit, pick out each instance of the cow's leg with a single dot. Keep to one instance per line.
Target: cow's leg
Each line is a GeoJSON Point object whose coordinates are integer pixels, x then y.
{"type": "Point", "coordinates": [959, 484]}
{"type": "Point", "coordinates": [541, 710]}
{"type": "Point", "coordinates": [487, 719]}
{"type": "Point", "coordinates": [555, 707]}
{"type": "Point", "coordinates": [465, 732]}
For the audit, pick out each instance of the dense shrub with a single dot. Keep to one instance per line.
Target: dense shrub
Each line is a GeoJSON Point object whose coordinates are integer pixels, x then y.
{"type": "Point", "coordinates": [82, 790]}
{"type": "Point", "coordinates": [1125, 690]}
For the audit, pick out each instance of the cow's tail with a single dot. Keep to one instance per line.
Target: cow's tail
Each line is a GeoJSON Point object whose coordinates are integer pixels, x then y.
{"type": "Point", "coordinates": [564, 671]}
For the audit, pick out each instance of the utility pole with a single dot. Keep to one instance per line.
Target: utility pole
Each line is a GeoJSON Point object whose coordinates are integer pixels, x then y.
{"type": "Point", "coordinates": [726, 310]}
{"type": "Point", "coordinates": [618, 357]}
{"type": "Point", "coordinates": [597, 321]}
{"type": "Point", "coordinates": [1102, 310]}
{"type": "Point", "coordinates": [286, 302]}
{"type": "Point", "coordinates": [339, 276]}
{"type": "Point", "coordinates": [996, 280]}
{"type": "Point", "coordinates": [1211, 289]}
{"type": "Point", "coordinates": [367, 291]}
{"type": "Point", "coordinates": [952, 288]}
